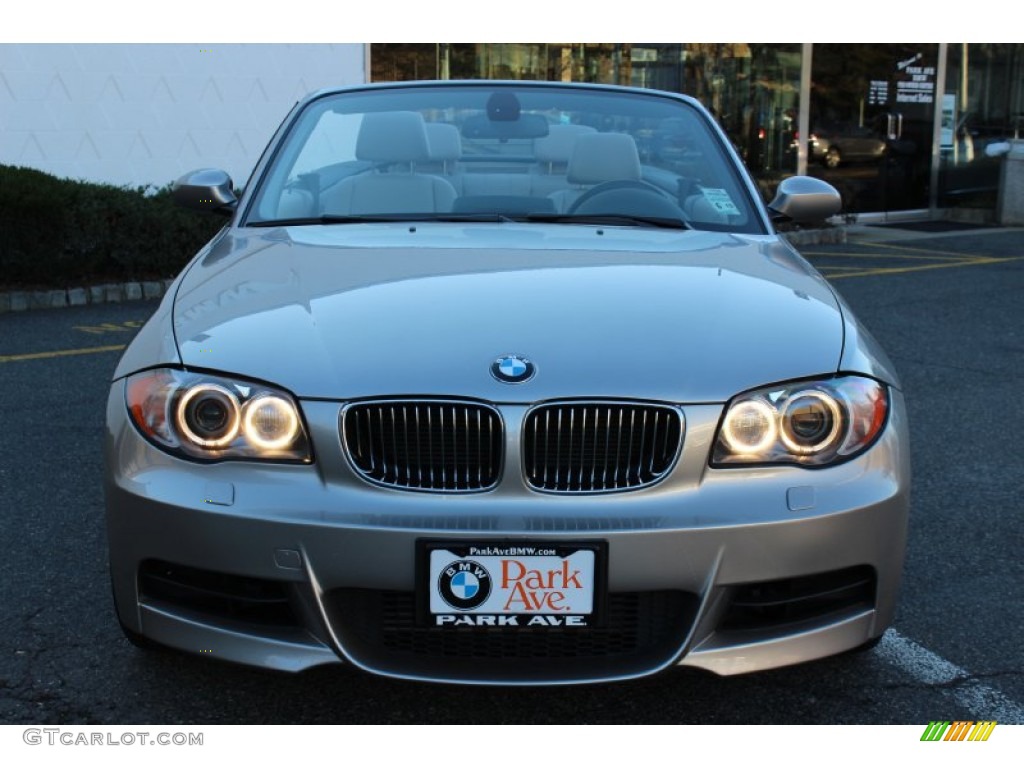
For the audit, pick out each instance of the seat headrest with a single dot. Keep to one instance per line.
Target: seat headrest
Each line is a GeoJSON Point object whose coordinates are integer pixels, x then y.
{"type": "Point", "coordinates": [396, 137]}
{"type": "Point", "coordinates": [557, 146]}
{"type": "Point", "coordinates": [599, 157]}
{"type": "Point", "coordinates": [445, 142]}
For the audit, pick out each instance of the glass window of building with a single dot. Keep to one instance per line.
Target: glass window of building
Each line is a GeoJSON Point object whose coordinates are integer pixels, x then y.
{"type": "Point", "coordinates": [752, 89]}
{"type": "Point", "coordinates": [982, 107]}
{"type": "Point", "coordinates": [884, 125]}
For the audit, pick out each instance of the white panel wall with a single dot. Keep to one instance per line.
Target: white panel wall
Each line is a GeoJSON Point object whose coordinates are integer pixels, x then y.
{"type": "Point", "coordinates": [145, 114]}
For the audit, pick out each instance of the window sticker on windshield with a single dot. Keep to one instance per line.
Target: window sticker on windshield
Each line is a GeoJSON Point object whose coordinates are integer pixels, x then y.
{"type": "Point", "coordinates": [721, 201]}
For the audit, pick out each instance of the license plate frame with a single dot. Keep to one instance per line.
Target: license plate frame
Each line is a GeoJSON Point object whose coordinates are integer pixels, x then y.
{"type": "Point", "coordinates": [489, 553]}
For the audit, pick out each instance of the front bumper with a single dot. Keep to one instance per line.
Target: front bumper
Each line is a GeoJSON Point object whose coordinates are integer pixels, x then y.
{"type": "Point", "coordinates": [340, 553]}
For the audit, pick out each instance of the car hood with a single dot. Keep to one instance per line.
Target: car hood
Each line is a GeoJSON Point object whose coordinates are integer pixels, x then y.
{"type": "Point", "coordinates": [385, 310]}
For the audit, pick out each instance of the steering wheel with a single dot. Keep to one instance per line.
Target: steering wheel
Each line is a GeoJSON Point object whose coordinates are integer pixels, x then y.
{"type": "Point", "coordinates": [624, 187]}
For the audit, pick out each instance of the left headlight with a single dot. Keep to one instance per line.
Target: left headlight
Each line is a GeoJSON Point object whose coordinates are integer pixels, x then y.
{"type": "Point", "coordinates": [811, 423]}
{"type": "Point", "coordinates": [202, 416]}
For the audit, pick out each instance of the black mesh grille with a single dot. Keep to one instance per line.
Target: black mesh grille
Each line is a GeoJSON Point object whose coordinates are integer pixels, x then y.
{"type": "Point", "coordinates": [790, 601]}
{"type": "Point", "coordinates": [591, 447]}
{"type": "Point", "coordinates": [641, 631]}
{"type": "Point", "coordinates": [426, 445]}
{"type": "Point", "coordinates": [219, 595]}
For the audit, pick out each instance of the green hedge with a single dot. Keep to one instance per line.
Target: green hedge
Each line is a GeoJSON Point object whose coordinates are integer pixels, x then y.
{"type": "Point", "coordinates": [57, 233]}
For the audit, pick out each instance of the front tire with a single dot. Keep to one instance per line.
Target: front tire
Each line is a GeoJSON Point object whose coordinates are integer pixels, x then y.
{"type": "Point", "coordinates": [833, 158]}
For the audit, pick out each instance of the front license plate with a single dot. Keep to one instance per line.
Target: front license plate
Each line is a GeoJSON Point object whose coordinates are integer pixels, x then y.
{"type": "Point", "coordinates": [512, 584]}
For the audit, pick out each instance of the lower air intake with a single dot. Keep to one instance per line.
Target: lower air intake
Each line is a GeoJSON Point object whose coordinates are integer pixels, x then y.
{"type": "Point", "coordinates": [641, 632]}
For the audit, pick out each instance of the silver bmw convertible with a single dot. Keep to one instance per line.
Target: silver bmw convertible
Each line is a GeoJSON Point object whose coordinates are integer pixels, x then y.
{"type": "Point", "coordinates": [505, 383]}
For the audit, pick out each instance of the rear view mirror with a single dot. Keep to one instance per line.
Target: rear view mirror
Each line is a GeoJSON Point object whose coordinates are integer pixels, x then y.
{"type": "Point", "coordinates": [524, 127]}
{"type": "Point", "coordinates": [804, 199]}
{"type": "Point", "coordinates": [208, 189]}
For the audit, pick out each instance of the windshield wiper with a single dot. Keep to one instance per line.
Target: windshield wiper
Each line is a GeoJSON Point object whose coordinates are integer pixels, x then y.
{"type": "Point", "coordinates": [375, 218]}
{"type": "Point", "coordinates": [325, 219]}
{"type": "Point", "coordinates": [611, 219]}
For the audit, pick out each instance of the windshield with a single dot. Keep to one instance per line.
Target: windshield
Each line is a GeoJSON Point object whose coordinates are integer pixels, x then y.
{"type": "Point", "coordinates": [497, 152]}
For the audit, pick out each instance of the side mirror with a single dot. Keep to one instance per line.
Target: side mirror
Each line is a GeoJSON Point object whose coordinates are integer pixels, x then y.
{"type": "Point", "coordinates": [804, 199]}
{"type": "Point", "coordinates": [208, 189]}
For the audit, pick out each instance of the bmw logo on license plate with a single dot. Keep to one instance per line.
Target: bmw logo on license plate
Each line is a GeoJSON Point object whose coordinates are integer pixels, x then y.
{"type": "Point", "coordinates": [464, 585]}
{"type": "Point", "coordinates": [512, 369]}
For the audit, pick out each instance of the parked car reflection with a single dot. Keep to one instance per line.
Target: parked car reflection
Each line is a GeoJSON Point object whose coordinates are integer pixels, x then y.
{"type": "Point", "coordinates": [845, 143]}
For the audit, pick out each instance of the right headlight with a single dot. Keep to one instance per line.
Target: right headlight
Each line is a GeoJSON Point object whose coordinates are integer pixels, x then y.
{"type": "Point", "coordinates": [810, 423]}
{"type": "Point", "coordinates": [202, 416]}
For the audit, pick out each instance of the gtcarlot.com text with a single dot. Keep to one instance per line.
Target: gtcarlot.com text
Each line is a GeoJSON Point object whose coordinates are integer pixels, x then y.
{"type": "Point", "coordinates": [75, 738]}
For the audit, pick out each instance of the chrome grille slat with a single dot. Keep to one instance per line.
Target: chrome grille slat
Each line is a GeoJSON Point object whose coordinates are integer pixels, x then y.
{"type": "Point", "coordinates": [547, 437]}
{"type": "Point", "coordinates": [479, 449]}
{"type": "Point", "coordinates": [444, 467]}
{"type": "Point", "coordinates": [465, 413]}
{"type": "Point", "coordinates": [384, 461]}
{"type": "Point", "coordinates": [419, 451]}
{"type": "Point", "coordinates": [558, 451]}
{"type": "Point", "coordinates": [593, 464]}
{"type": "Point", "coordinates": [657, 415]}
{"type": "Point", "coordinates": [358, 447]}
{"type": "Point", "coordinates": [583, 443]}
{"type": "Point", "coordinates": [599, 447]}
{"type": "Point", "coordinates": [445, 446]}
{"type": "Point", "coordinates": [607, 443]}
{"type": "Point", "coordinates": [618, 448]}
{"type": "Point", "coordinates": [629, 446]}
{"type": "Point", "coordinates": [430, 446]}
{"type": "Point", "coordinates": [394, 435]}
{"type": "Point", "coordinates": [643, 441]}
{"type": "Point", "coordinates": [405, 441]}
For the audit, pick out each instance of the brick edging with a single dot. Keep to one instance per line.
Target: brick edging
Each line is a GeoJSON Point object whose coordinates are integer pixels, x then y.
{"type": "Point", "coordinates": [107, 293]}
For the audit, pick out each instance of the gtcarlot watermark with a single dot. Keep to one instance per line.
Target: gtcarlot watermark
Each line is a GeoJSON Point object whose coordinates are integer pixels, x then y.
{"type": "Point", "coordinates": [74, 738]}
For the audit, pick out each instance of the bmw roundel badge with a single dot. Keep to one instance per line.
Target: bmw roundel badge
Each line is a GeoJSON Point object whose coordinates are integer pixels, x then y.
{"type": "Point", "coordinates": [464, 585]}
{"type": "Point", "coordinates": [512, 369]}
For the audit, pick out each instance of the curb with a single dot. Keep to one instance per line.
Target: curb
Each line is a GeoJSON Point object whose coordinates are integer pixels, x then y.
{"type": "Point", "coordinates": [829, 236]}
{"type": "Point", "coordinates": [107, 293]}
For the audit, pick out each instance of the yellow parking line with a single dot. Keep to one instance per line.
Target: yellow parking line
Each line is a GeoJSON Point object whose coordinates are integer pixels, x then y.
{"type": "Point", "coordinates": [850, 255]}
{"type": "Point", "coordinates": [899, 270]}
{"type": "Point", "coordinates": [896, 247]}
{"type": "Point", "coordinates": [61, 353]}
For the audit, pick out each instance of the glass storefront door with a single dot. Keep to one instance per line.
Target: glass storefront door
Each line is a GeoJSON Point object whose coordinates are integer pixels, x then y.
{"type": "Point", "coordinates": [872, 109]}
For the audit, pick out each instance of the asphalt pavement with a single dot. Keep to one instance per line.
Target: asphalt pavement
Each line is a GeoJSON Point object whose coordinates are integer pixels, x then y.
{"type": "Point", "coordinates": [947, 308]}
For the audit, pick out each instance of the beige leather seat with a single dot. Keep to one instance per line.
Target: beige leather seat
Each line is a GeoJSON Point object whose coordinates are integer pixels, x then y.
{"type": "Point", "coordinates": [445, 153]}
{"type": "Point", "coordinates": [553, 153]}
{"type": "Point", "coordinates": [597, 158]}
{"type": "Point", "coordinates": [396, 142]}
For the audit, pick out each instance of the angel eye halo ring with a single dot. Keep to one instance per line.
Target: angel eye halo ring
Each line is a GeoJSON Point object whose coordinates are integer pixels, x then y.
{"type": "Point", "coordinates": [208, 415]}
